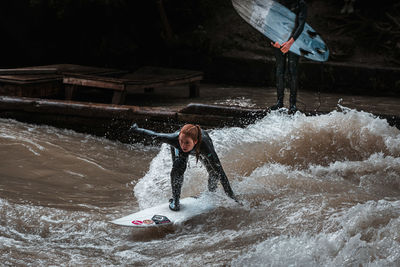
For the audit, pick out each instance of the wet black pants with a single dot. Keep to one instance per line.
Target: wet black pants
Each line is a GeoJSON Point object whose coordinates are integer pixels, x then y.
{"type": "Point", "coordinates": [179, 164]}
{"type": "Point", "coordinates": [291, 60]}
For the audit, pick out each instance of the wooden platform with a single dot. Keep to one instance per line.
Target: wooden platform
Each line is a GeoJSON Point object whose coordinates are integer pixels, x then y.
{"type": "Point", "coordinates": [44, 81]}
{"type": "Point", "coordinates": [145, 78]}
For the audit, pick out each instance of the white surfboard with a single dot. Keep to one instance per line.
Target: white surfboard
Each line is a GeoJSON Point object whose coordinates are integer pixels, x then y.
{"type": "Point", "coordinates": [277, 23]}
{"type": "Point", "coordinates": [161, 215]}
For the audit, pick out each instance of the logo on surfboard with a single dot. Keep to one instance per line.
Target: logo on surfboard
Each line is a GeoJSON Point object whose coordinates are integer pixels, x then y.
{"type": "Point", "coordinates": [159, 219]}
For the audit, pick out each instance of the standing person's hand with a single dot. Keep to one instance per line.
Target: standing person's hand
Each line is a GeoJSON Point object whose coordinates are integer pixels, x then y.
{"type": "Point", "coordinates": [286, 45]}
{"type": "Point", "coordinates": [276, 45]}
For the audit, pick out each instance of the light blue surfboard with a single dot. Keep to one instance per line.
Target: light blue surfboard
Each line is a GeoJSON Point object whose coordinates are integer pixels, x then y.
{"type": "Point", "coordinates": [277, 23]}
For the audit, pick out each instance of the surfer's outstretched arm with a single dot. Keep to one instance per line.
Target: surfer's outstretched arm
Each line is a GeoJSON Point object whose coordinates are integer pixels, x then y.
{"type": "Point", "coordinates": [170, 138]}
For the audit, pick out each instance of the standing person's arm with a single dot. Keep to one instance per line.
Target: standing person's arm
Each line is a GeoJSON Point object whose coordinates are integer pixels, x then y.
{"type": "Point", "coordinates": [170, 138]}
{"type": "Point", "coordinates": [301, 17]}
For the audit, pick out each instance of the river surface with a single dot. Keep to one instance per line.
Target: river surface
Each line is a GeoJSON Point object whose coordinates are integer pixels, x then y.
{"type": "Point", "coordinates": [315, 191]}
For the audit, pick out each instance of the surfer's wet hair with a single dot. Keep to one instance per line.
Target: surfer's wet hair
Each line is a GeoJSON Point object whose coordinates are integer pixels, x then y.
{"type": "Point", "coordinates": [194, 132]}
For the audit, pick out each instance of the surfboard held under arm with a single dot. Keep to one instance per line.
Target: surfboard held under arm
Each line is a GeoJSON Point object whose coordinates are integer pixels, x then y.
{"type": "Point", "coordinates": [161, 215]}
{"type": "Point", "coordinates": [277, 23]}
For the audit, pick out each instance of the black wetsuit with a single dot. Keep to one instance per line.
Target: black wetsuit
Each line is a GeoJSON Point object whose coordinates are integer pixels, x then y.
{"type": "Point", "coordinates": [208, 157]}
{"type": "Point", "coordinates": [299, 7]}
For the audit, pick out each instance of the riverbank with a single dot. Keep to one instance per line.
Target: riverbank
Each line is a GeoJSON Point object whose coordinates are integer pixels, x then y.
{"type": "Point", "coordinates": [217, 106]}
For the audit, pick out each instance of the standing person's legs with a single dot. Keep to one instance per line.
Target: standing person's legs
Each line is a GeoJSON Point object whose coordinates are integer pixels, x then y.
{"type": "Point", "coordinates": [280, 78]}
{"type": "Point", "coordinates": [179, 162]}
{"type": "Point", "coordinates": [293, 61]}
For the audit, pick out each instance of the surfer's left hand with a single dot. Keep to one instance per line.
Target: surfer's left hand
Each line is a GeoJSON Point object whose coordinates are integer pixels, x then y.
{"type": "Point", "coordinates": [237, 200]}
{"type": "Point", "coordinates": [286, 45]}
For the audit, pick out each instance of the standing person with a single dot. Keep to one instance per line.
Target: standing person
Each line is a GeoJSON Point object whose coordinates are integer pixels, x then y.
{"type": "Point", "coordinates": [190, 140]}
{"type": "Point", "coordinates": [282, 54]}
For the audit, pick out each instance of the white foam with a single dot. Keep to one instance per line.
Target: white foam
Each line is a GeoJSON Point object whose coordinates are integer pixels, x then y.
{"type": "Point", "coordinates": [323, 147]}
{"type": "Point", "coordinates": [364, 234]}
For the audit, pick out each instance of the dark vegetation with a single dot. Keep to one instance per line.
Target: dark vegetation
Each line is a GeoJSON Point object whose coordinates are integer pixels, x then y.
{"type": "Point", "coordinates": [129, 33]}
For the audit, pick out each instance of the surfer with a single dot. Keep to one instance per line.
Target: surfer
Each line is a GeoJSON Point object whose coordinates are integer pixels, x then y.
{"type": "Point", "coordinates": [283, 56]}
{"type": "Point", "coordinates": [189, 140]}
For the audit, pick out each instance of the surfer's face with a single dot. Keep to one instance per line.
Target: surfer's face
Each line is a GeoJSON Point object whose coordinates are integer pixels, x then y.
{"type": "Point", "coordinates": [186, 143]}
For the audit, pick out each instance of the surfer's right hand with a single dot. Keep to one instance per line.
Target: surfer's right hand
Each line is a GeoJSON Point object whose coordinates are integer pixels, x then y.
{"type": "Point", "coordinates": [276, 45]}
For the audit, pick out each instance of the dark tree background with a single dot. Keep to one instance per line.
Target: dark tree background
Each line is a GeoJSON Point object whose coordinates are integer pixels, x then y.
{"type": "Point", "coordinates": [106, 33]}
{"type": "Point", "coordinates": [130, 33]}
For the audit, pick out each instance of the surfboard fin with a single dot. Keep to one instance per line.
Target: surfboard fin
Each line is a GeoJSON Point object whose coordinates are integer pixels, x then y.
{"type": "Point", "coordinates": [304, 52]}
{"type": "Point", "coordinates": [320, 51]}
{"type": "Point", "coordinates": [312, 34]}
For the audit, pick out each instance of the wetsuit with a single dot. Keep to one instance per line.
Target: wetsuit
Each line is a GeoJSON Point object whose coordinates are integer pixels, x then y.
{"type": "Point", "coordinates": [299, 7]}
{"type": "Point", "coordinates": [208, 157]}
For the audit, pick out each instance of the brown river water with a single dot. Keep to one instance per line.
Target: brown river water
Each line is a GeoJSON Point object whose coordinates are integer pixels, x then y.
{"type": "Point", "coordinates": [316, 191]}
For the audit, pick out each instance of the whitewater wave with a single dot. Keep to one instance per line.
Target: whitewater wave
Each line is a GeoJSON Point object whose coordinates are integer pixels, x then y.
{"type": "Point", "coordinates": [351, 145]}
